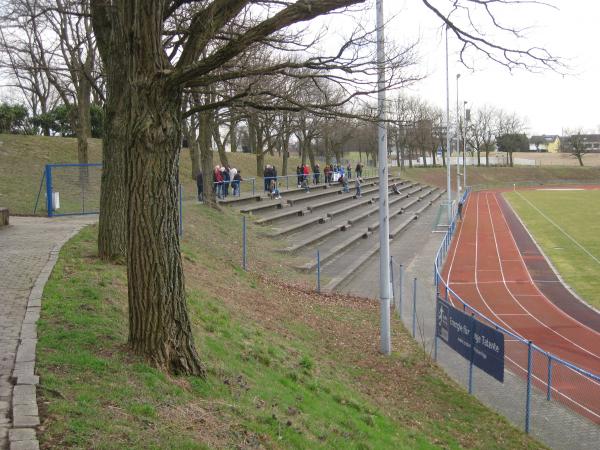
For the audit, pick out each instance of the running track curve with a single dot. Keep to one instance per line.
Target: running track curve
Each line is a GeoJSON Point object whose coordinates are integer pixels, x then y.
{"type": "Point", "coordinates": [487, 270]}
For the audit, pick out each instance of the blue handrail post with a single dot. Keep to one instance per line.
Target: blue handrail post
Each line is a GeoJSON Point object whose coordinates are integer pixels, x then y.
{"type": "Point", "coordinates": [400, 287]}
{"type": "Point", "coordinates": [549, 383]}
{"type": "Point", "coordinates": [435, 331]}
{"type": "Point", "coordinates": [318, 271]}
{"type": "Point", "coordinates": [472, 354]}
{"type": "Point", "coordinates": [244, 251]}
{"type": "Point", "coordinates": [528, 396]}
{"type": "Point", "coordinates": [49, 199]}
{"type": "Point", "coordinates": [414, 317]}
{"type": "Point", "coordinates": [392, 294]}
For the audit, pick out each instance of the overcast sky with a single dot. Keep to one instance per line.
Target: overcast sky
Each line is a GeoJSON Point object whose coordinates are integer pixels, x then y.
{"type": "Point", "coordinates": [548, 101]}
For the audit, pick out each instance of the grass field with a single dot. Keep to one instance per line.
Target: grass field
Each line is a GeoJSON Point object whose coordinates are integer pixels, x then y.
{"type": "Point", "coordinates": [566, 224]}
{"type": "Point", "coordinates": [497, 177]}
{"type": "Point", "coordinates": [286, 368]}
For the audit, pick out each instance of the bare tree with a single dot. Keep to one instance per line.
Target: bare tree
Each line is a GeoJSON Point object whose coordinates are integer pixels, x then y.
{"type": "Point", "coordinates": [575, 145]}
{"type": "Point", "coordinates": [56, 38]}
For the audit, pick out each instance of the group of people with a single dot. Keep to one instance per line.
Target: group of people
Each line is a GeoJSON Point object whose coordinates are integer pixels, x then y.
{"type": "Point", "coordinates": [223, 177]}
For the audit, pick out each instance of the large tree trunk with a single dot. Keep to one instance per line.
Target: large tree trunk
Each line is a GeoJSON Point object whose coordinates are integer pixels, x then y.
{"type": "Point", "coordinates": [206, 158]}
{"type": "Point", "coordinates": [478, 157]}
{"type": "Point", "coordinates": [159, 327]}
{"type": "Point", "coordinates": [112, 225]}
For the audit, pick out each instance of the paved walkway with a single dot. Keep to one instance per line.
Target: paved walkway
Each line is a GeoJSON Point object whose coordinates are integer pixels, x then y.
{"type": "Point", "coordinates": [26, 247]}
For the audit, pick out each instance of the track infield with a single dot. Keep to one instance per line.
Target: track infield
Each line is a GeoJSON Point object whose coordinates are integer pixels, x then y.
{"type": "Point", "coordinates": [494, 265]}
{"type": "Point", "coordinates": [565, 223]}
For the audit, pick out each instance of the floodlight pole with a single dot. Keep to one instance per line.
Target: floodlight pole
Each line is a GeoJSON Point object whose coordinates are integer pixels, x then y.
{"type": "Point", "coordinates": [448, 172]}
{"type": "Point", "coordinates": [384, 224]}
{"type": "Point", "coordinates": [457, 132]}
{"type": "Point", "coordinates": [464, 130]}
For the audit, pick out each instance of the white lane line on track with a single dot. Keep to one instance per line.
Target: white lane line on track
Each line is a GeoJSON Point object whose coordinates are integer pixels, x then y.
{"type": "Point", "coordinates": [506, 325]}
{"type": "Point", "coordinates": [456, 246]}
{"type": "Point", "coordinates": [560, 229]}
{"type": "Point", "coordinates": [524, 266]}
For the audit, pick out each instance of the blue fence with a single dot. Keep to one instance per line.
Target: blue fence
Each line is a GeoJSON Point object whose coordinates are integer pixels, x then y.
{"type": "Point", "coordinates": [544, 374]}
{"type": "Point", "coordinates": [70, 189]}
{"type": "Point", "coordinates": [74, 189]}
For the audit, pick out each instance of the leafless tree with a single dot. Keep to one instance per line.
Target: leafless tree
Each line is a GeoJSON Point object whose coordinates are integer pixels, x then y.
{"type": "Point", "coordinates": [575, 145]}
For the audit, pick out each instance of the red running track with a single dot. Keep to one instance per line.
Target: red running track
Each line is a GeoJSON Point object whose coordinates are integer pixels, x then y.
{"type": "Point", "coordinates": [486, 269]}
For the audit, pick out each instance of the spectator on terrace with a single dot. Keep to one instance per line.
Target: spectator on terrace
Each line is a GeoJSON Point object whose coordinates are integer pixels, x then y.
{"type": "Point", "coordinates": [306, 172]}
{"type": "Point", "coordinates": [460, 208]}
{"type": "Point", "coordinates": [358, 170]}
{"type": "Point", "coordinates": [299, 174]}
{"type": "Point", "coordinates": [396, 189]}
{"type": "Point", "coordinates": [358, 182]}
{"type": "Point", "coordinates": [237, 179]}
{"type": "Point", "coordinates": [349, 170]}
{"type": "Point", "coordinates": [316, 174]}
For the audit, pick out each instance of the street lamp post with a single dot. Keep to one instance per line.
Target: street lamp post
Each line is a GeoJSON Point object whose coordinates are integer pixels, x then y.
{"type": "Point", "coordinates": [457, 132]}
{"type": "Point", "coordinates": [384, 224]}
{"type": "Point", "coordinates": [465, 145]}
{"type": "Point", "coordinates": [448, 170]}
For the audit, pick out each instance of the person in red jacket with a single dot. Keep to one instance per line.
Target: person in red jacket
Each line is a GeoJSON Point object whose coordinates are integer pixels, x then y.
{"type": "Point", "coordinates": [306, 172]}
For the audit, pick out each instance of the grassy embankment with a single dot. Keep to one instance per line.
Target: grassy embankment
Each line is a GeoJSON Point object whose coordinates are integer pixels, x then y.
{"type": "Point", "coordinates": [571, 242]}
{"type": "Point", "coordinates": [286, 368]}
{"type": "Point", "coordinates": [504, 177]}
{"type": "Point", "coordinates": [22, 161]}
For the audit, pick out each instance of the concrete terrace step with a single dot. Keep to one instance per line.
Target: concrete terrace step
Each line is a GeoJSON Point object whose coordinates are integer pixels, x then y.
{"type": "Point", "coordinates": [326, 256]}
{"type": "Point", "coordinates": [265, 204]}
{"type": "Point", "coordinates": [298, 225]}
{"type": "Point", "coordinates": [287, 212]}
{"type": "Point", "coordinates": [300, 210]}
{"type": "Point", "coordinates": [395, 230]}
{"type": "Point", "coordinates": [337, 200]}
{"type": "Point", "coordinates": [342, 226]}
{"type": "Point", "coordinates": [316, 237]}
{"type": "Point", "coordinates": [362, 232]}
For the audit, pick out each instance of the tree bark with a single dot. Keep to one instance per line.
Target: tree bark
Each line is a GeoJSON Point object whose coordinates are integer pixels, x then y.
{"type": "Point", "coordinates": [112, 225]}
{"type": "Point", "coordinates": [159, 327]}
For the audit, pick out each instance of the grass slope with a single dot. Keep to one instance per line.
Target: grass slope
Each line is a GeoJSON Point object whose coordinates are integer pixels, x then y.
{"type": "Point", "coordinates": [498, 177]}
{"type": "Point", "coordinates": [577, 213]}
{"type": "Point", "coordinates": [286, 368]}
{"type": "Point", "coordinates": [22, 161]}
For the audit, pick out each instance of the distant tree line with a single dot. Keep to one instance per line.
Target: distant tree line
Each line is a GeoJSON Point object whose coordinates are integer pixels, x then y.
{"type": "Point", "coordinates": [16, 119]}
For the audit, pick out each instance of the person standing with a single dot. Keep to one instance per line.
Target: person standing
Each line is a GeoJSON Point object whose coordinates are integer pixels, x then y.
{"type": "Point", "coordinates": [349, 171]}
{"type": "Point", "coordinates": [358, 183]}
{"type": "Point", "coordinates": [237, 179]}
{"type": "Point", "coordinates": [358, 170]}
{"type": "Point", "coordinates": [316, 174]}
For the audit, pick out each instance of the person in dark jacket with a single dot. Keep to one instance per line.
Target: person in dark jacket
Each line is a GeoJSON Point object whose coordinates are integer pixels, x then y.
{"type": "Point", "coordinates": [299, 175]}
{"type": "Point", "coordinates": [358, 170]}
{"type": "Point", "coordinates": [237, 179]}
{"type": "Point", "coordinates": [316, 174]}
{"type": "Point", "coordinates": [200, 186]}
